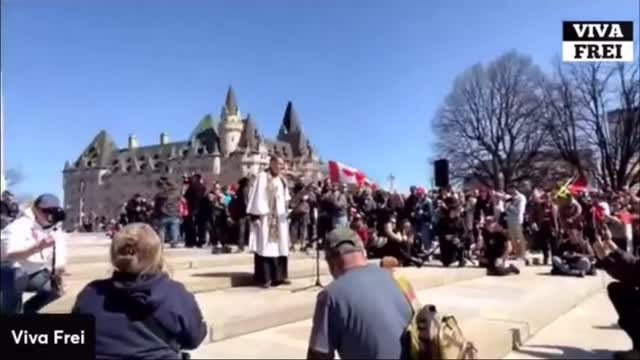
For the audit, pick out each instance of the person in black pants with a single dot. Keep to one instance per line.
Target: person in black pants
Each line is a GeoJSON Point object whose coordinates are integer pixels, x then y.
{"type": "Point", "coordinates": [625, 292]}
{"type": "Point", "coordinates": [450, 233]}
{"type": "Point", "coordinates": [194, 195]}
{"type": "Point", "coordinates": [238, 215]}
{"type": "Point", "coordinates": [212, 219]}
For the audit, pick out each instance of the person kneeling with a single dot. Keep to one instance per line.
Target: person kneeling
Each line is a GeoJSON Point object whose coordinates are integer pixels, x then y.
{"type": "Point", "coordinates": [575, 258]}
{"type": "Point", "coordinates": [450, 231]}
{"type": "Point", "coordinates": [140, 313]}
{"type": "Point", "coordinates": [496, 249]}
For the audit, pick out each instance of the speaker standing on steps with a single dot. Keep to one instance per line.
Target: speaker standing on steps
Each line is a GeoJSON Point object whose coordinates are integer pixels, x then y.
{"type": "Point", "coordinates": [441, 168]}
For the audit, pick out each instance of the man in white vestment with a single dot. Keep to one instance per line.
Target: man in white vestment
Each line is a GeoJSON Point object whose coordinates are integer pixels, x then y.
{"type": "Point", "coordinates": [269, 236]}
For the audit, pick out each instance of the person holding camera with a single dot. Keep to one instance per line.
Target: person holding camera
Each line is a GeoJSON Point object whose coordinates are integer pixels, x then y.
{"type": "Point", "coordinates": [625, 292]}
{"type": "Point", "coordinates": [33, 256]}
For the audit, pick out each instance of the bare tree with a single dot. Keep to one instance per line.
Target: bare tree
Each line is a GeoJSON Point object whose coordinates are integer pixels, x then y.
{"type": "Point", "coordinates": [489, 125]}
{"type": "Point", "coordinates": [565, 128]}
{"type": "Point", "coordinates": [596, 106]}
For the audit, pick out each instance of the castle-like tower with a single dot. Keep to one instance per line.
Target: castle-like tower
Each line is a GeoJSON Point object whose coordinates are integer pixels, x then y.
{"type": "Point", "coordinates": [222, 149]}
{"type": "Point", "coordinates": [231, 124]}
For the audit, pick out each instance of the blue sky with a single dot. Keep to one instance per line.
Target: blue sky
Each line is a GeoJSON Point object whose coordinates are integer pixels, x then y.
{"type": "Point", "coordinates": [366, 77]}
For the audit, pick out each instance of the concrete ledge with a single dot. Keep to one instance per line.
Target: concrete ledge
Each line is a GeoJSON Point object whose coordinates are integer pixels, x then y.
{"type": "Point", "coordinates": [276, 307]}
{"type": "Point", "coordinates": [197, 280]}
{"type": "Point", "coordinates": [495, 313]}
{"type": "Point", "coordinates": [177, 259]}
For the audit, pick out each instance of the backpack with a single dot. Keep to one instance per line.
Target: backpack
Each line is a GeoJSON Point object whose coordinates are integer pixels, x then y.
{"type": "Point", "coordinates": [430, 335]}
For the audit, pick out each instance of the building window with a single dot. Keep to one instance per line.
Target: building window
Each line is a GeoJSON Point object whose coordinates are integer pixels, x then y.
{"type": "Point", "coordinates": [142, 158]}
{"type": "Point", "coordinates": [143, 167]}
{"type": "Point", "coordinates": [129, 168]}
{"type": "Point", "coordinates": [185, 152]}
{"type": "Point", "coordinates": [200, 151]}
{"type": "Point", "coordinates": [156, 157]}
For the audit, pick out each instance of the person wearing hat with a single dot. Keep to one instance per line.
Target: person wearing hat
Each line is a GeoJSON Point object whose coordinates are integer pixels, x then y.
{"type": "Point", "coordinates": [362, 314]}
{"type": "Point", "coordinates": [33, 255]}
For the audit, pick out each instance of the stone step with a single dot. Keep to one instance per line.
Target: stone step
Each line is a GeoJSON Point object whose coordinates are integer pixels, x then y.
{"type": "Point", "coordinates": [197, 280]}
{"type": "Point", "coordinates": [259, 309]}
{"type": "Point", "coordinates": [496, 313]}
{"type": "Point", "coordinates": [82, 255]}
{"type": "Point", "coordinates": [176, 259]}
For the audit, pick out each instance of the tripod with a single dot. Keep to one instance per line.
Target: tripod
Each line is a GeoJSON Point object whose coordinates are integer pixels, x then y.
{"type": "Point", "coordinates": [317, 283]}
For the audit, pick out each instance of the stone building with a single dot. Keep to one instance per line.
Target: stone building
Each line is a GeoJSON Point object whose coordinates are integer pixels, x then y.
{"type": "Point", "coordinates": [222, 149]}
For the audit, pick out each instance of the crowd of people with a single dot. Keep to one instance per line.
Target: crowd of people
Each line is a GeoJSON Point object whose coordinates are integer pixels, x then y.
{"type": "Point", "coordinates": [576, 230]}
{"type": "Point", "coordinates": [479, 226]}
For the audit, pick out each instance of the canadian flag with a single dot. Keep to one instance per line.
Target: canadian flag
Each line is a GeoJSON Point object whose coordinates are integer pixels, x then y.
{"type": "Point", "coordinates": [344, 174]}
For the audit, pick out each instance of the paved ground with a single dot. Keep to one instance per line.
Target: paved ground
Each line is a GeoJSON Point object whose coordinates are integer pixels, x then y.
{"type": "Point", "coordinates": [587, 332]}
{"type": "Point", "coordinates": [490, 310]}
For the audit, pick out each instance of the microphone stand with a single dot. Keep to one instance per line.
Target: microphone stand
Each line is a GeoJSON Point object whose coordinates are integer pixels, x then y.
{"type": "Point", "coordinates": [317, 283]}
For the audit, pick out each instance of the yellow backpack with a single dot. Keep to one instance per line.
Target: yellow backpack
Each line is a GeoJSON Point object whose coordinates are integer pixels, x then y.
{"type": "Point", "coordinates": [431, 336]}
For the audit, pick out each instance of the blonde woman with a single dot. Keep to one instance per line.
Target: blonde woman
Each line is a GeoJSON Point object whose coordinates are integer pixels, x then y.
{"type": "Point", "coordinates": [140, 312]}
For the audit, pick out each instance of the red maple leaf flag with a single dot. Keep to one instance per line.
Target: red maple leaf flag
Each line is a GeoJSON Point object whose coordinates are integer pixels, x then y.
{"type": "Point", "coordinates": [578, 185]}
{"type": "Point", "coordinates": [344, 174]}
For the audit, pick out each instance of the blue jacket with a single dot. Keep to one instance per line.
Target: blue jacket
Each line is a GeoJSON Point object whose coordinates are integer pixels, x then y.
{"type": "Point", "coordinates": [121, 302]}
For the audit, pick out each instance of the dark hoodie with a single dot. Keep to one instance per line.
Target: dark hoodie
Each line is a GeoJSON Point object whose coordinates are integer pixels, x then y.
{"type": "Point", "coordinates": [120, 303]}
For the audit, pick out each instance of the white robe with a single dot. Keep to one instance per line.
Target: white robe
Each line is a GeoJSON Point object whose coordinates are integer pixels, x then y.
{"type": "Point", "coordinates": [258, 205]}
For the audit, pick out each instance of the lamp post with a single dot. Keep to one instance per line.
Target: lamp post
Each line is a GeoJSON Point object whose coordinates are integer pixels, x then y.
{"type": "Point", "coordinates": [391, 179]}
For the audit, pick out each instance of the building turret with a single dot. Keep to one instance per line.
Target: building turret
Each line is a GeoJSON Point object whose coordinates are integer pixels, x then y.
{"type": "Point", "coordinates": [164, 138]}
{"type": "Point", "coordinates": [231, 124]}
{"type": "Point", "coordinates": [133, 142]}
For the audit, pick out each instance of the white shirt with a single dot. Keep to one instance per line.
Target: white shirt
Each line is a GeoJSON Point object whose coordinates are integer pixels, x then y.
{"type": "Point", "coordinates": [23, 234]}
{"type": "Point", "coordinates": [515, 212]}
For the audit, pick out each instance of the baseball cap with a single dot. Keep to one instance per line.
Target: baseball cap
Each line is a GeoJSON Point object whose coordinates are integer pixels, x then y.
{"type": "Point", "coordinates": [342, 241]}
{"type": "Point", "coordinates": [47, 201]}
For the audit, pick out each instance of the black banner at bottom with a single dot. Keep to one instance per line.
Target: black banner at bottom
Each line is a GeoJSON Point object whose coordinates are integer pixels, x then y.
{"type": "Point", "coordinates": [48, 335]}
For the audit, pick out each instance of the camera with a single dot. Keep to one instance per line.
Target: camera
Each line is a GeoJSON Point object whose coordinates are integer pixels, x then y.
{"type": "Point", "coordinates": [54, 215]}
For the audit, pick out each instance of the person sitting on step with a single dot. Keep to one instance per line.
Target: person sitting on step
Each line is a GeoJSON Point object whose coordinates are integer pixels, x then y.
{"type": "Point", "coordinates": [574, 255]}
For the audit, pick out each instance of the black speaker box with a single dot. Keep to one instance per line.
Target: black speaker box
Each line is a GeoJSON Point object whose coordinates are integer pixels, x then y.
{"type": "Point", "coordinates": [441, 168]}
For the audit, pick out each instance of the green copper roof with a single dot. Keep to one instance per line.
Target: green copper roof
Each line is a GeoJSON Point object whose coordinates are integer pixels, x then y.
{"type": "Point", "coordinates": [207, 122]}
